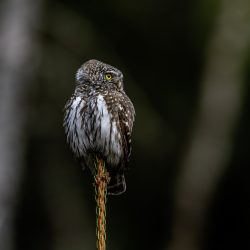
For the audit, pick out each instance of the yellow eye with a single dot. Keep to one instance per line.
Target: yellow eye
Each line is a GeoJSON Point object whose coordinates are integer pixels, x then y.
{"type": "Point", "coordinates": [108, 76]}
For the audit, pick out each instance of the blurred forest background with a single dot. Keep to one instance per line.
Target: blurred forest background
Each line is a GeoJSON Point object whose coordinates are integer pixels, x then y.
{"type": "Point", "coordinates": [187, 70]}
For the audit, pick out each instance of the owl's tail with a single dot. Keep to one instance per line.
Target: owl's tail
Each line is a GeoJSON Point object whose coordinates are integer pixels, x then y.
{"type": "Point", "coordinates": [117, 184]}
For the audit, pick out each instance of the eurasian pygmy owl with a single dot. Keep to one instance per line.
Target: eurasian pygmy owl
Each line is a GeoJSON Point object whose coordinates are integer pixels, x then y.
{"type": "Point", "coordinates": [99, 120]}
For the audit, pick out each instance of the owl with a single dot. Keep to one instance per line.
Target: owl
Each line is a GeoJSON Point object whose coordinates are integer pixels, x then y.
{"type": "Point", "coordinates": [98, 121]}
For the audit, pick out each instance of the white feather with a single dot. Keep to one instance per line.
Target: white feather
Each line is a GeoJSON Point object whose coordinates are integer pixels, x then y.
{"type": "Point", "coordinates": [76, 133]}
{"type": "Point", "coordinates": [106, 124]}
{"type": "Point", "coordinates": [104, 117]}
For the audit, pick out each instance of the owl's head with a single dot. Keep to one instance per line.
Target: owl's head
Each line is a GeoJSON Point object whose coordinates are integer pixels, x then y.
{"type": "Point", "coordinates": [96, 73]}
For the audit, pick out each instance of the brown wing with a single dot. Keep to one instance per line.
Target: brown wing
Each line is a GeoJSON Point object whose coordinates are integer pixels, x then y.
{"type": "Point", "coordinates": [126, 118]}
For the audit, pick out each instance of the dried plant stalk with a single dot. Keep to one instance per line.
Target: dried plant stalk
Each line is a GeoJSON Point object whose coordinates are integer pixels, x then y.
{"type": "Point", "coordinates": [101, 182]}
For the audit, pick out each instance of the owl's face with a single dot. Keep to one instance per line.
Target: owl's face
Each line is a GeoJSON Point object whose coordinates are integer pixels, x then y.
{"type": "Point", "coordinates": [96, 73]}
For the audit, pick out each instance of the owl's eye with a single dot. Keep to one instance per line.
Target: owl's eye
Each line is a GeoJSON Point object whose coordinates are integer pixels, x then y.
{"type": "Point", "coordinates": [108, 76]}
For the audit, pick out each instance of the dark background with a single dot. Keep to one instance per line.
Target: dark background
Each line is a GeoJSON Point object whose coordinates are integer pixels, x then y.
{"type": "Point", "coordinates": [162, 48]}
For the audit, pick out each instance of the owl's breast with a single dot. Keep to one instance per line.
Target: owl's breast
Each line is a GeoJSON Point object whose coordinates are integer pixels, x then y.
{"type": "Point", "coordinates": [92, 127]}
